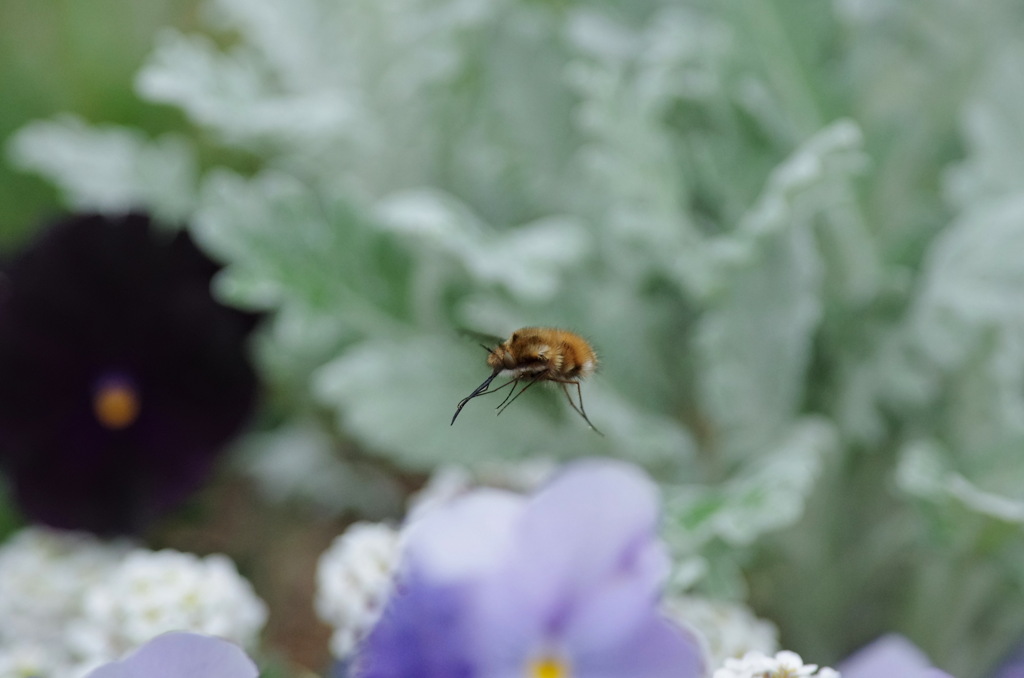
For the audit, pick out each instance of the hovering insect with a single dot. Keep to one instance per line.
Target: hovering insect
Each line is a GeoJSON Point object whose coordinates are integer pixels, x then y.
{"type": "Point", "coordinates": [535, 354]}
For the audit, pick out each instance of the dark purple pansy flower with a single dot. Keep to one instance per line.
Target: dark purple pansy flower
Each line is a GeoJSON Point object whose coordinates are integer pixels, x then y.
{"type": "Point", "coordinates": [181, 655]}
{"type": "Point", "coordinates": [120, 376]}
{"type": "Point", "coordinates": [563, 584]}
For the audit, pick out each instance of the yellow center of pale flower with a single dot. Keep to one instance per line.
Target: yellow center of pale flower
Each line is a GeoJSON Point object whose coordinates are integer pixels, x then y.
{"type": "Point", "coordinates": [548, 666]}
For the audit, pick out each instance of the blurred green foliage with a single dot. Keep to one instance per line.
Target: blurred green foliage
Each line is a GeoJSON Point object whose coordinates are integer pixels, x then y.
{"type": "Point", "coordinates": [64, 55]}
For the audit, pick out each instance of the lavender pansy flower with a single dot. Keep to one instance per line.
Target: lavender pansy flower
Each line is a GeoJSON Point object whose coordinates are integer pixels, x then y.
{"type": "Point", "coordinates": [891, 656]}
{"type": "Point", "coordinates": [565, 583]}
{"type": "Point", "coordinates": [121, 378]}
{"type": "Point", "coordinates": [1012, 667]}
{"type": "Point", "coordinates": [182, 655]}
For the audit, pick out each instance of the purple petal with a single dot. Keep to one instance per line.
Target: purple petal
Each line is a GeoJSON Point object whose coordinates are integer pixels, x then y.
{"type": "Point", "coordinates": [595, 522]}
{"type": "Point", "coordinates": [592, 520]}
{"type": "Point", "coordinates": [423, 633]}
{"type": "Point", "coordinates": [491, 583]}
{"type": "Point", "coordinates": [655, 649]}
{"type": "Point", "coordinates": [1012, 666]}
{"type": "Point", "coordinates": [891, 656]}
{"type": "Point", "coordinates": [586, 569]}
{"type": "Point", "coordinates": [182, 655]}
{"type": "Point", "coordinates": [611, 610]}
{"type": "Point", "coordinates": [466, 538]}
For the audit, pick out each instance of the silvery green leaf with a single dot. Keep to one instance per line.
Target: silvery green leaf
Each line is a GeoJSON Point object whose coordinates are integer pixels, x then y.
{"type": "Point", "coordinates": [212, 87]}
{"type": "Point", "coordinates": [866, 12]}
{"type": "Point", "coordinates": [959, 342]}
{"type": "Point", "coordinates": [600, 37]}
{"type": "Point", "coordinates": [294, 38]}
{"type": "Point", "coordinates": [110, 169]}
{"type": "Point", "coordinates": [963, 339]}
{"type": "Point", "coordinates": [768, 494]}
{"type": "Point", "coordinates": [360, 91]}
{"type": "Point", "coordinates": [527, 261]}
{"type": "Point", "coordinates": [310, 258]}
{"type": "Point", "coordinates": [752, 377]}
{"type": "Point", "coordinates": [755, 338]}
{"type": "Point", "coordinates": [971, 302]}
{"type": "Point", "coordinates": [294, 342]}
{"type": "Point", "coordinates": [290, 250]}
{"type": "Point", "coordinates": [926, 470]}
{"type": "Point", "coordinates": [263, 227]}
{"type": "Point", "coordinates": [983, 400]}
{"type": "Point", "coordinates": [979, 511]}
{"type": "Point", "coordinates": [991, 127]}
{"type": "Point", "coordinates": [687, 572]}
{"type": "Point", "coordinates": [629, 155]}
{"type": "Point", "coordinates": [915, 68]}
{"type": "Point", "coordinates": [972, 272]}
{"type": "Point", "coordinates": [812, 185]}
{"type": "Point", "coordinates": [286, 241]}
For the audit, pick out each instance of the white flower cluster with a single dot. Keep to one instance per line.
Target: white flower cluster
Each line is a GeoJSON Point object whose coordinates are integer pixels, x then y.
{"type": "Point", "coordinates": [784, 664]}
{"type": "Point", "coordinates": [149, 593]}
{"type": "Point", "coordinates": [25, 660]}
{"type": "Point", "coordinates": [70, 601]}
{"type": "Point", "coordinates": [725, 630]}
{"type": "Point", "coordinates": [43, 576]}
{"type": "Point", "coordinates": [353, 581]}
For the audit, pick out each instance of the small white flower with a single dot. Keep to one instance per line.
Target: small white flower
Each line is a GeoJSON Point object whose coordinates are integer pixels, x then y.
{"type": "Point", "coordinates": [725, 630]}
{"type": "Point", "coordinates": [44, 575]}
{"type": "Point", "coordinates": [29, 660]}
{"type": "Point", "coordinates": [354, 578]}
{"type": "Point", "coordinates": [150, 593]}
{"type": "Point", "coordinates": [784, 664]}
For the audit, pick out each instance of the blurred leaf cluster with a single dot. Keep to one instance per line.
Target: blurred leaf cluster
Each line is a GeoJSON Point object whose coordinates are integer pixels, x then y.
{"type": "Point", "coordinates": [67, 55]}
{"type": "Point", "coordinates": [793, 230]}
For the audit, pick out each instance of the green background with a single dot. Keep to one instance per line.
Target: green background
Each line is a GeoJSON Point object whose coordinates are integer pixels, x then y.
{"type": "Point", "coordinates": [69, 55]}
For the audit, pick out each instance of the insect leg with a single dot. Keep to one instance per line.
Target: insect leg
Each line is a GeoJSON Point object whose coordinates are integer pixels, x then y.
{"type": "Point", "coordinates": [510, 393]}
{"type": "Point", "coordinates": [521, 392]}
{"type": "Point", "coordinates": [579, 410]}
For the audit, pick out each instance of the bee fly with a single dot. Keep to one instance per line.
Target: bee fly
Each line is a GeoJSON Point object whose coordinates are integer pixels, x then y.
{"type": "Point", "coordinates": [535, 354]}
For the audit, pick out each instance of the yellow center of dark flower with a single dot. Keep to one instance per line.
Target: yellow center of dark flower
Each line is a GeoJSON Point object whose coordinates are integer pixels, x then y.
{"type": "Point", "coordinates": [116, 405]}
{"type": "Point", "coordinates": [548, 667]}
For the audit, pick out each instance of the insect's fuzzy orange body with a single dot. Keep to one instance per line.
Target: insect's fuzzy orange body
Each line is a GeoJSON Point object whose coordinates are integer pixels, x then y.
{"type": "Point", "coordinates": [550, 354]}
{"type": "Point", "coordinates": [536, 354]}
